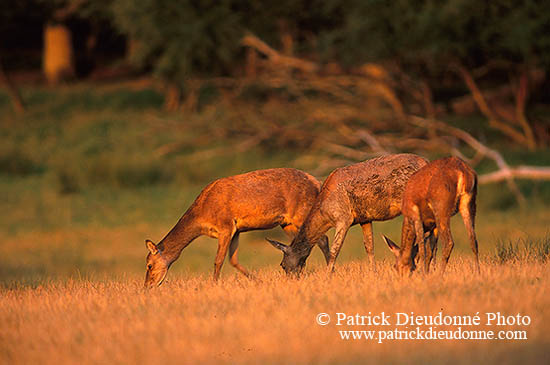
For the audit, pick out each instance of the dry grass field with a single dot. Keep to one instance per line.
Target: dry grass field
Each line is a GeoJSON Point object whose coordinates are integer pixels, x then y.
{"type": "Point", "coordinates": [273, 319]}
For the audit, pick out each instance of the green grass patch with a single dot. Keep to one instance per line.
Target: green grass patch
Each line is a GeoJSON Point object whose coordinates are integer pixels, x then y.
{"type": "Point", "coordinates": [86, 99]}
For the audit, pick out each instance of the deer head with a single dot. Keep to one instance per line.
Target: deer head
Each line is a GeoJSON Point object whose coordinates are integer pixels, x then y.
{"type": "Point", "coordinates": [403, 266]}
{"type": "Point", "coordinates": [293, 262]}
{"type": "Point", "coordinates": [157, 266]}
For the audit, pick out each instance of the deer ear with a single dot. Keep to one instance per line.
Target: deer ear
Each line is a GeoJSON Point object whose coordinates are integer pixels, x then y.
{"type": "Point", "coordinates": [151, 247]}
{"type": "Point", "coordinates": [392, 246]}
{"type": "Point", "coordinates": [278, 245]}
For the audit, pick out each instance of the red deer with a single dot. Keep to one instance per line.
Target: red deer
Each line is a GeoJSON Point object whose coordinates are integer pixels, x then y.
{"type": "Point", "coordinates": [226, 207]}
{"type": "Point", "coordinates": [432, 196]}
{"type": "Point", "coordinates": [357, 194]}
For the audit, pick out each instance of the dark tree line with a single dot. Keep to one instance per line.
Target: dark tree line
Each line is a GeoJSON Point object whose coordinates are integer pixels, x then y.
{"type": "Point", "coordinates": [434, 43]}
{"type": "Point", "coordinates": [177, 38]}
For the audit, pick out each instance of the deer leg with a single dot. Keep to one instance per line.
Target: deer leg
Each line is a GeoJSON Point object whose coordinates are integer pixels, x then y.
{"type": "Point", "coordinates": [432, 247]}
{"type": "Point", "coordinates": [339, 236]}
{"type": "Point", "coordinates": [233, 249]}
{"type": "Point", "coordinates": [467, 209]}
{"type": "Point", "coordinates": [435, 237]}
{"type": "Point", "coordinates": [420, 242]}
{"type": "Point", "coordinates": [368, 241]}
{"type": "Point", "coordinates": [407, 252]}
{"type": "Point", "coordinates": [224, 241]}
{"type": "Point", "coordinates": [444, 228]}
{"type": "Point", "coordinates": [323, 245]}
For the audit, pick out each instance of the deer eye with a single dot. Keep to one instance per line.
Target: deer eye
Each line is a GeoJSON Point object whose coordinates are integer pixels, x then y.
{"type": "Point", "coordinates": [149, 267]}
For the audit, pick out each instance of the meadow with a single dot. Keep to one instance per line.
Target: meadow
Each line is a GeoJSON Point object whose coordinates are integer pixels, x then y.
{"type": "Point", "coordinates": [190, 319]}
{"type": "Point", "coordinates": [84, 180]}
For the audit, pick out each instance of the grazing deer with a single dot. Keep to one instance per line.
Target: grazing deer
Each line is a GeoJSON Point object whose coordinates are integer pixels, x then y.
{"type": "Point", "coordinates": [226, 207]}
{"type": "Point", "coordinates": [432, 196]}
{"type": "Point", "coordinates": [357, 194]}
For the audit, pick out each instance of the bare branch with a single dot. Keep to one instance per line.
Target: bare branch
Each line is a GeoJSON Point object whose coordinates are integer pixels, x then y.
{"type": "Point", "coordinates": [494, 155]}
{"type": "Point", "coordinates": [494, 121]}
{"type": "Point", "coordinates": [372, 141]}
{"type": "Point", "coordinates": [521, 98]}
{"type": "Point", "coordinates": [350, 153]}
{"type": "Point", "coordinates": [252, 41]}
{"type": "Point", "coordinates": [71, 8]}
{"type": "Point", "coordinates": [520, 172]}
{"type": "Point", "coordinates": [242, 146]}
{"type": "Point", "coordinates": [327, 164]}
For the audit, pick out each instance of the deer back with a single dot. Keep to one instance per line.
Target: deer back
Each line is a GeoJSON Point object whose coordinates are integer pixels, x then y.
{"type": "Point", "coordinates": [258, 199]}
{"type": "Point", "coordinates": [440, 183]}
{"type": "Point", "coordinates": [373, 189]}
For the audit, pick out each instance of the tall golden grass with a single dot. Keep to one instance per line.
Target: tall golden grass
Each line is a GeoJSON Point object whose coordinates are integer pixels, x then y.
{"type": "Point", "coordinates": [271, 319]}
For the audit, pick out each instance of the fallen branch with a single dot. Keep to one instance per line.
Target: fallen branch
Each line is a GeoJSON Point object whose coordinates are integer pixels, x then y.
{"type": "Point", "coordinates": [242, 146]}
{"type": "Point", "coordinates": [409, 143]}
{"type": "Point", "coordinates": [520, 172]}
{"type": "Point", "coordinates": [526, 139]}
{"type": "Point", "coordinates": [169, 148]}
{"type": "Point", "coordinates": [372, 141]}
{"type": "Point", "coordinates": [521, 99]}
{"type": "Point", "coordinates": [344, 151]}
{"type": "Point", "coordinates": [252, 41]}
{"type": "Point", "coordinates": [494, 155]}
{"type": "Point", "coordinates": [327, 164]}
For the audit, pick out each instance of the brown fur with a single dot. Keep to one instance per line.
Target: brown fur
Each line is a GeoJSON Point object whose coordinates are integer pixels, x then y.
{"type": "Point", "coordinates": [357, 194]}
{"type": "Point", "coordinates": [432, 196]}
{"type": "Point", "coordinates": [256, 200]}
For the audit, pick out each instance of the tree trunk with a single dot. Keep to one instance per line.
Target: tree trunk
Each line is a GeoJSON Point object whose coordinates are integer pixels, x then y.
{"type": "Point", "coordinates": [58, 57]}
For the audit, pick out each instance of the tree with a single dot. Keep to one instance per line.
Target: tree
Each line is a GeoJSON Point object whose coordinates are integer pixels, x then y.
{"type": "Point", "coordinates": [428, 38]}
{"type": "Point", "coordinates": [60, 47]}
{"type": "Point", "coordinates": [177, 39]}
{"type": "Point", "coordinates": [13, 17]}
{"type": "Point", "coordinates": [182, 39]}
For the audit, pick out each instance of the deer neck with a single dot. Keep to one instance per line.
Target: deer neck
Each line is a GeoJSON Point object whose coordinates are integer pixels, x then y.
{"type": "Point", "coordinates": [183, 233]}
{"type": "Point", "coordinates": [313, 229]}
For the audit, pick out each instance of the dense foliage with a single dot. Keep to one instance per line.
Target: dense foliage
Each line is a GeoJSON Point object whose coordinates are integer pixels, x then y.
{"type": "Point", "coordinates": [181, 38]}
{"type": "Point", "coordinates": [433, 33]}
{"type": "Point", "coordinates": [203, 37]}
